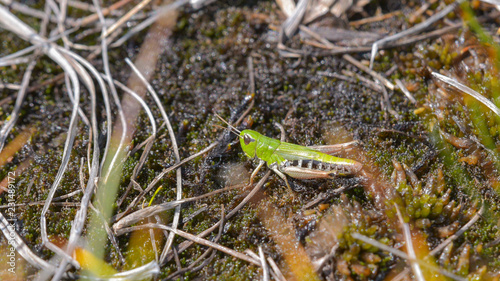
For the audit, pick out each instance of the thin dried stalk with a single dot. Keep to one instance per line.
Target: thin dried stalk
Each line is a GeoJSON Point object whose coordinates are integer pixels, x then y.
{"type": "Point", "coordinates": [458, 233]}
{"type": "Point", "coordinates": [468, 91]}
{"type": "Point", "coordinates": [265, 268]}
{"type": "Point", "coordinates": [415, 29]}
{"type": "Point", "coordinates": [277, 271]}
{"type": "Point", "coordinates": [195, 239]}
{"type": "Point", "coordinates": [13, 24]}
{"type": "Point", "coordinates": [409, 246]}
{"type": "Point", "coordinates": [125, 18]}
{"type": "Point", "coordinates": [403, 255]}
{"type": "Point", "coordinates": [146, 23]}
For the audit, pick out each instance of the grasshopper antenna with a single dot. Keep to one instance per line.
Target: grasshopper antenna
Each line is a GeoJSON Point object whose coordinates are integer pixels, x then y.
{"type": "Point", "coordinates": [222, 127]}
{"type": "Point", "coordinates": [229, 125]}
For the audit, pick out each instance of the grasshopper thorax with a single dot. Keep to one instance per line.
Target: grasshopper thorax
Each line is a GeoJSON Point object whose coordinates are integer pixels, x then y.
{"type": "Point", "coordinates": [248, 141]}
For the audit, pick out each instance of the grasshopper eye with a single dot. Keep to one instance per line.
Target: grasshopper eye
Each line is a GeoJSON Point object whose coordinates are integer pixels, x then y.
{"type": "Point", "coordinates": [247, 139]}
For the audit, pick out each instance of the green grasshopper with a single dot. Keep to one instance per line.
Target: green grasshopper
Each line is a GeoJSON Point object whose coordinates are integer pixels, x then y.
{"type": "Point", "coordinates": [296, 161]}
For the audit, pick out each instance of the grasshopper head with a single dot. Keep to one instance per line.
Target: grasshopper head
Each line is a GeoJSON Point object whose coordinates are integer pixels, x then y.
{"type": "Point", "coordinates": [248, 141]}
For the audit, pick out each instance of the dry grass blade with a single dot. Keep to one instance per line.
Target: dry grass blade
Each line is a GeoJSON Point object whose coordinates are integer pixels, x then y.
{"type": "Point", "coordinates": [197, 4]}
{"type": "Point", "coordinates": [293, 21]}
{"type": "Point", "coordinates": [492, 2]}
{"type": "Point", "coordinates": [409, 246]}
{"type": "Point", "coordinates": [286, 6]}
{"type": "Point", "coordinates": [403, 274]}
{"type": "Point", "coordinates": [13, 24]}
{"type": "Point", "coordinates": [374, 19]}
{"type": "Point", "coordinates": [20, 53]}
{"type": "Point", "coordinates": [367, 83]}
{"type": "Point", "coordinates": [401, 254]}
{"type": "Point", "coordinates": [252, 254]}
{"type": "Point", "coordinates": [125, 18]}
{"type": "Point", "coordinates": [144, 272]}
{"type": "Point", "coordinates": [67, 204]}
{"type": "Point", "coordinates": [24, 9]}
{"type": "Point", "coordinates": [349, 58]}
{"type": "Point", "coordinates": [140, 100]}
{"type": "Point", "coordinates": [146, 23]}
{"type": "Point", "coordinates": [155, 98]}
{"type": "Point", "coordinates": [265, 268]}
{"type": "Point", "coordinates": [106, 11]}
{"type": "Point", "coordinates": [402, 43]}
{"type": "Point", "coordinates": [17, 242]}
{"type": "Point", "coordinates": [81, 215]}
{"type": "Point", "coordinates": [375, 86]}
{"type": "Point", "coordinates": [7, 126]}
{"type": "Point", "coordinates": [458, 233]}
{"type": "Point", "coordinates": [405, 91]}
{"type": "Point", "coordinates": [378, 78]}
{"type": "Point", "coordinates": [123, 128]}
{"type": "Point", "coordinates": [319, 264]}
{"type": "Point", "coordinates": [16, 61]}
{"type": "Point", "coordinates": [176, 153]}
{"type": "Point", "coordinates": [64, 163]}
{"type": "Point", "coordinates": [375, 75]}
{"type": "Point", "coordinates": [468, 91]}
{"type": "Point", "coordinates": [277, 271]}
{"type": "Point", "coordinates": [321, 7]}
{"type": "Point", "coordinates": [9, 86]}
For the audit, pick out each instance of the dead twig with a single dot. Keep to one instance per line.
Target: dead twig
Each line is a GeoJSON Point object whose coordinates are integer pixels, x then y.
{"type": "Point", "coordinates": [415, 29]}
